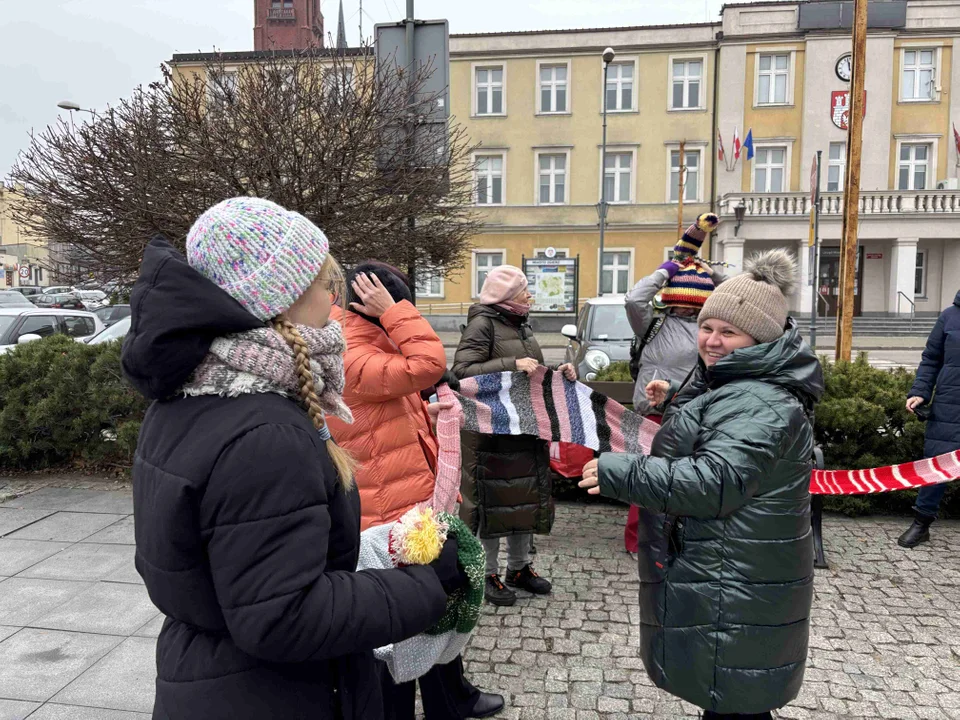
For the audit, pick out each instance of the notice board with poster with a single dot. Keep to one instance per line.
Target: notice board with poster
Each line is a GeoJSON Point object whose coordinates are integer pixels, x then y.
{"type": "Point", "coordinates": [553, 284]}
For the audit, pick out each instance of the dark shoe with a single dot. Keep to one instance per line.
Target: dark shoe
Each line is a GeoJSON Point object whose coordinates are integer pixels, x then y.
{"type": "Point", "coordinates": [529, 581]}
{"type": "Point", "coordinates": [487, 704]}
{"type": "Point", "coordinates": [496, 594]}
{"type": "Point", "coordinates": [917, 533]}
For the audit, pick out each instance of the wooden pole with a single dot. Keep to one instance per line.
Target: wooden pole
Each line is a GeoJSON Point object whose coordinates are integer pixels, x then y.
{"type": "Point", "coordinates": [848, 252]}
{"type": "Point", "coordinates": [680, 180]}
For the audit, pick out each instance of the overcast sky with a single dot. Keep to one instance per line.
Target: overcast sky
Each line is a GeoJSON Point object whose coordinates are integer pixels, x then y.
{"type": "Point", "coordinates": [95, 51]}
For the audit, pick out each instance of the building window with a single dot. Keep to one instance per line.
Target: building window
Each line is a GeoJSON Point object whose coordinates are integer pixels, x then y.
{"type": "Point", "coordinates": [222, 89]}
{"type": "Point", "coordinates": [553, 88]}
{"type": "Point", "coordinates": [836, 167]}
{"type": "Point", "coordinates": [616, 177]}
{"type": "Point", "coordinates": [620, 86]}
{"type": "Point", "coordinates": [919, 68]}
{"type": "Point", "coordinates": [914, 166]}
{"type": "Point", "coordinates": [615, 273]}
{"type": "Point", "coordinates": [769, 169]}
{"type": "Point", "coordinates": [553, 179]}
{"type": "Point", "coordinates": [691, 176]}
{"type": "Point", "coordinates": [490, 90]}
{"type": "Point", "coordinates": [920, 280]}
{"type": "Point", "coordinates": [277, 4]}
{"type": "Point", "coordinates": [429, 283]}
{"type": "Point", "coordinates": [774, 75]}
{"type": "Point", "coordinates": [687, 77]}
{"type": "Point", "coordinates": [484, 262]}
{"type": "Point", "coordinates": [542, 254]}
{"type": "Point", "coordinates": [490, 180]}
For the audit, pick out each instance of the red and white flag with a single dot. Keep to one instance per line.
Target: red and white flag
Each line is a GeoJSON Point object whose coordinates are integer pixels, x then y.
{"type": "Point", "coordinates": [736, 144]}
{"type": "Point", "coordinates": [956, 140]}
{"type": "Point", "coordinates": [720, 154]}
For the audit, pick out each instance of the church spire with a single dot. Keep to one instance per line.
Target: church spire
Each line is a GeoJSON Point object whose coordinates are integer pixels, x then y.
{"type": "Point", "coordinates": [342, 30]}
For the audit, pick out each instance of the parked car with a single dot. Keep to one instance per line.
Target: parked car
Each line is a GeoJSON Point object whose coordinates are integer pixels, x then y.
{"type": "Point", "coordinates": [117, 331]}
{"type": "Point", "coordinates": [58, 290]}
{"type": "Point", "coordinates": [602, 335]}
{"type": "Point", "coordinates": [65, 300]}
{"type": "Point", "coordinates": [11, 298]}
{"type": "Point", "coordinates": [30, 291]}
{"type": "Point", "coordinates": [92, 299]}
{"type": "Point", "coordinates": [19, 326]}
{"type": "Point", "coordinates": [112, 314]}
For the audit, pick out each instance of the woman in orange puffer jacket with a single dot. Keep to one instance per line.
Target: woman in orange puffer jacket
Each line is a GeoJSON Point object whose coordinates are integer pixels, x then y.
{"type": "Point", "coordinates": [392, 355]}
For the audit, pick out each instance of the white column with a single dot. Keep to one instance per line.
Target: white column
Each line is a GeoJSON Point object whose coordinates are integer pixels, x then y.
{"type": "Point", "coordinates": [802, 293]}
{"type": "Point", "coordinates": [950, 269]}
{"type": "Point", "coordinates": [733, 255]}
{"type": "Point", "coordinates": [903, 271]}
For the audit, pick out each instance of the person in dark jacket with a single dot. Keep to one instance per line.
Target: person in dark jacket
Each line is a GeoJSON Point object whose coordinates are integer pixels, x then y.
{"type": "Point", "coordinates": [247, 518]}
{"type": "Point", "coordinates": [725, 607]}
{"type": "Point", "coordinates": [938, 380]}
{"type": "Point", "coordinates": [510, 473]}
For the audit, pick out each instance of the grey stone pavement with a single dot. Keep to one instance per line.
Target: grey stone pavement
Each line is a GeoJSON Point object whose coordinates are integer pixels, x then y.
{"type": "Point", "coordinates": [77, 630]}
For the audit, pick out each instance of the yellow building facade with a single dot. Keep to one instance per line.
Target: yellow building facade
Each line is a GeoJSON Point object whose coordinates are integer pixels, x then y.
{"type": "Point", "coordinates": [20, 249]}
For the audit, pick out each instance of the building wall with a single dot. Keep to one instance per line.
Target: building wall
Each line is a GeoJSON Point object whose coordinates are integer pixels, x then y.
{"type": "Point", "coordinates": [303, 30]}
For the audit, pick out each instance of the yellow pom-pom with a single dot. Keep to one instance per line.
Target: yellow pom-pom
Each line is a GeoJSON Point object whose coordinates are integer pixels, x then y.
{"type": "Point", "coordinates": [708, 222]}
{"type": "Point", "coordinates": [419, 537]}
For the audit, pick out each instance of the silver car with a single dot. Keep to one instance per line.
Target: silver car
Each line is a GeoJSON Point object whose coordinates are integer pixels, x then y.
{"type": "Point", "coordinates": [601, 336]}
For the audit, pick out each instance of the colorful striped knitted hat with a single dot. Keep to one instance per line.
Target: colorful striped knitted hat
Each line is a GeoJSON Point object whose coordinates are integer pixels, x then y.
{"type": "Point", "coordinates": [263, 255]}
{"type": "Point", "coordinates": [693, 283]}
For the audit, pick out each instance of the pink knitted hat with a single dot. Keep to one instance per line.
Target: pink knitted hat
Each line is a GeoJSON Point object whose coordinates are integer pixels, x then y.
{"type": "Point", "coordinates": [502, 284]}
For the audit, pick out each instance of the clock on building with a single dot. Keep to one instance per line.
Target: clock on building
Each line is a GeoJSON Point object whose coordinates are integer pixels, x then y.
{"type": "Point", "coordinates": [844, 67]}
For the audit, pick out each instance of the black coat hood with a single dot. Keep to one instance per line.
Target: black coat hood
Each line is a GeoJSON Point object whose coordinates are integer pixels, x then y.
{"type": "Point", "coordinates": [175, 315]}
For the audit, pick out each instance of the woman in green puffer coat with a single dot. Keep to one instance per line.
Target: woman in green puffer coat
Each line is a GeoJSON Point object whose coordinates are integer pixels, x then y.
{"type": "Point", "coordinates": [725, 607]}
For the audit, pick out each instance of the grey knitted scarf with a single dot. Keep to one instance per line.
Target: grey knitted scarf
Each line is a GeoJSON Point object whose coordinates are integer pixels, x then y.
{"type": "Point", "coordinates": [261, 361]}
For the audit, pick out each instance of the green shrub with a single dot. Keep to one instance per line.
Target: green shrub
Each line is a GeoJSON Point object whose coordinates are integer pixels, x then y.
{"type": "Point", "coordinates": [615, 372]}
{"type": "Point", "coordinates": [64, 402]}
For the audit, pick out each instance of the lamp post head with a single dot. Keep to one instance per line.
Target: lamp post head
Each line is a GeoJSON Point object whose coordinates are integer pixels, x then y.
{"type": "Point", "coordinates": [608, 55]}
{"type": "Point", "coordinates": [68, 105]}
{"type": "Point", "coordinates": [740, 211]}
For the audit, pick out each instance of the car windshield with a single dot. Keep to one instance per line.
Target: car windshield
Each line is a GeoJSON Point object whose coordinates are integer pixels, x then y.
{"type": "Point", "coordinates": [14, 299]}
{"type": "Point", "coordinates": [5, 322]}
{"type": "Point", "coordinates": [610, 323]}
{"type": "Point", "coordinates": [114, 332]}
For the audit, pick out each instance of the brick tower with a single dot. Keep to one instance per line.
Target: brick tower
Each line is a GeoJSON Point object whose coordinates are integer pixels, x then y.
{"type": "Point", "coordinates": [287, 24]}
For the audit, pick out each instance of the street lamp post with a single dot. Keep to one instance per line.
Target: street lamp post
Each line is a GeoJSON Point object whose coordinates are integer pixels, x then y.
{"type": "Point", "coordinates": [608, 56]}
{"type": "Point", "coordinates": [72, 107]}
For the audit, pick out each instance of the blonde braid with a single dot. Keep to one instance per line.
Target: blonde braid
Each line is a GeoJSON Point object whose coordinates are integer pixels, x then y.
{"type": "Point", "coordinates": [342, 460]}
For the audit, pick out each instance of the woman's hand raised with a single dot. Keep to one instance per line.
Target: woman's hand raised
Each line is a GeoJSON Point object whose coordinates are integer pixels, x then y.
{"type": "Point", "coordinates": [375, 299]}
{"type": "Point", "coordinates": [591, 477]}
{"type": "Point", "coordinates": [657, 392]}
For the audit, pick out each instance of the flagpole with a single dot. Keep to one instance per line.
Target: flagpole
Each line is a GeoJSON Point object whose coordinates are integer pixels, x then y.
{"type": "Point", "coordinates": [815, 257]}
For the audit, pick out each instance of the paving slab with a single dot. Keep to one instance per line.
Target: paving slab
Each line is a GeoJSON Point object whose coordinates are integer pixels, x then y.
{"type": "Point", "coordinates": [115, 502]}
{"type": "Point", "coordinates": [36, 664]}
{"type": "Point", "coordinates": [87, 561]}
{"type": "Point", "coordinates": [6, 631]}
{"type": "Point", "coordinates": [63, 526]}
{"type": "Point", "coordinates": [18, 555]}
{"type": "Point", "coordinates": [152, 628]}
{"type": "Point", "coordinates": [123, 680]}
{"type": "Point", "coordinates": [103, 608]}
{"type": "Point", "coordinates": [12, 519]}
{"type": "Point", "coordinates": [23, 600]}
{"type": "Point", "coordinates": [120, 533]}
{"type": "Point", "coordinates": [53, 498]}
{"type": "Point", "coordinates": [16, 709]}
{"type": "Point", "coordinates": [53, 711]}
{"type": "Point", "coordinates": [126, 573]}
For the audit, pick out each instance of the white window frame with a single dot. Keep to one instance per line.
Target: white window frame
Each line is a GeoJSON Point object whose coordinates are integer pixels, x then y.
{"type": "Point", "coordinates": [935, 79]}
{"type": "Point", "coordinates": [922, 257]}
{"type": "Point", "coordinates": [634, 104]}
{"type": "Point", "coordinates": [788, 163]}
{"type": "Point", "coordinates": [569, 85]}
{"type": "Point", "coordinates": [433, 274]}
{"type": "Point", "coordinates": [213, 90]}
{"type": "Point", "coordinates": [700, 149]}
{"type": "Point", "coordinates": [791, 76]}
{"type": "Point", "coordinates": [702, 105]}
{"type": "Point", "coordinates": [620, 150]}
{"type": "Point", "coordinates": [491, 153]}
{"type": "Point", "coordinates": [933, 143]}
{"type": "Point", "coordinates": [632, 261]}
{"type": "Point", "coordinates": [565, 151]}
{"type": "Point", "coordinates": [668, 252]}
{"type": "Point", "coordinates": [474, 269]}
{"type": "Point", "coordinates": [841, 163]}
{"type": "Point", "coordinates": [475, 110]}
{"type": "Point", "coordinates": [559, 250]}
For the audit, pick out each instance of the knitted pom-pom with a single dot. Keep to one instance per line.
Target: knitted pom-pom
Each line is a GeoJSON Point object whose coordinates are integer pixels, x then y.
{"type": "Point", "coordinates": [708, 222]}
{"type": "Point", "coordinates": [418, 537]}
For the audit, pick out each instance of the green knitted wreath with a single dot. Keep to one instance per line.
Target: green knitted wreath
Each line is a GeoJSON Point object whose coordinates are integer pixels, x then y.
{"type": "Point", "coordinates": [463, 605]}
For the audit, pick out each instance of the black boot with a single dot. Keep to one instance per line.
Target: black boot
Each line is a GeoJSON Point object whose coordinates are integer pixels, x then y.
{"type": "Point", "coordinates": [917, 533]}
{"type": "Point", "coordinates": [485, 705]}
{"type": "Point", "coordinates": [496, 593]}
{"type": "Point", "coordinates": [528, 580]}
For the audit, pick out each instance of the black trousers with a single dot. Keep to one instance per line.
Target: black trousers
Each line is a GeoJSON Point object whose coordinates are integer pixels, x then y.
{"type": "Point", "coordinates": [710, 715]}
{"type": "Point", "coordinates": [445, 692]}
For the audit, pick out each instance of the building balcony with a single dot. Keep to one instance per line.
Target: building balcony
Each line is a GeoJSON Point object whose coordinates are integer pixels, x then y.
{"type": "Point", "coordinates": [281, 14]}
{"type": "Point", "coordinates": [922, 203]}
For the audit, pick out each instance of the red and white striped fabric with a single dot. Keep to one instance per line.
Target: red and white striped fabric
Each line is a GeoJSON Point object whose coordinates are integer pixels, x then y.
{"type": "Point", "coordinates": [929, 471]}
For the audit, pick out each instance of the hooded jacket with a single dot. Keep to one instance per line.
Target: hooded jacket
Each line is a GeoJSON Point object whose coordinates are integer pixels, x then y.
{"type": "Point", "coordinates": [725, 602]}
{"type": "Point", "coordinates": [938, 379]}
{"type": "Point", "coordinates": [245, 538]}
{"type": "Point", "coordinates": [505, 479]}
{"type": "Point", "coordinates": [386, 366]}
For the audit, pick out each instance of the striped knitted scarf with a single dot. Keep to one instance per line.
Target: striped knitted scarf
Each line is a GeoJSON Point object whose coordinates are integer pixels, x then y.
{"type": "Point", "coordinates": [546, 406]}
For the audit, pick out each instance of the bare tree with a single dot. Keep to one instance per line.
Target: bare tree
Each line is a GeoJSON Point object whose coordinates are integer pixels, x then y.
{"type": "Point", "coordinates": [319, 132]}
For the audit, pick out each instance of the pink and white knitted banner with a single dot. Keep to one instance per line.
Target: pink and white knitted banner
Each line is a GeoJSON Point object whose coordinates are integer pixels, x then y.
{"type": "Point", "coordinates": [547, 406]}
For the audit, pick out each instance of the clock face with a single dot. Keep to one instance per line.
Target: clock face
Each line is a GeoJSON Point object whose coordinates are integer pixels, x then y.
{"type": "Point", "coordinates": [844, 67]}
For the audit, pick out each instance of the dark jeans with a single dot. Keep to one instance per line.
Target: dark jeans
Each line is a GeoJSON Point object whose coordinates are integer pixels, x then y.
{"type": "Point", "coordinates": [445, 692]}
{"type": "Point", "coordinates": [710, 715]}
{"type": "Point", "coordinates": [928, 499]}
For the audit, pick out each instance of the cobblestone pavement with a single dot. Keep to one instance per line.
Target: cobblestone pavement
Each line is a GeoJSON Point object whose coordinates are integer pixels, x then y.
{"type": "Point", "coordinates": [77, 631]}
